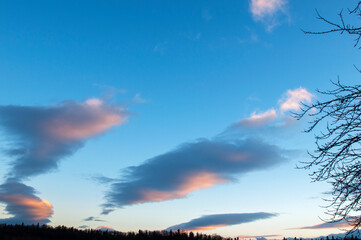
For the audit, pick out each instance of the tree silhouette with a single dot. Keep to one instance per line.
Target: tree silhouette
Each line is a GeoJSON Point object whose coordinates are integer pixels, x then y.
{"type": "Point", "coordinates": [338, 146]}
{"type": "Point", "coordinates": [342, 26]}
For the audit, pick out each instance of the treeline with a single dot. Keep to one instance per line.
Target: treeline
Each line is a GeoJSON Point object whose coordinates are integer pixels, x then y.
{"type": "Point", "coordinates": [45, 232]}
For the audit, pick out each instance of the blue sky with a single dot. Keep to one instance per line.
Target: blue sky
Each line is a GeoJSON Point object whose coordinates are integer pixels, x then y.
{"type": "Point", "coordinates": [153, 114]}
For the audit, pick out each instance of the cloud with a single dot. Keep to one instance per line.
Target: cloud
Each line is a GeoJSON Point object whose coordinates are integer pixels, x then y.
{"type": "Point", "coordinates": [293, 99]}
{"type": "Point", "coordinates": [83, 226]}
{"type": "Point", "coordinates": [259, 119]}
{"type": "Point", "coordinates": [264, 8]}
{"type": "Point", "coordinates": [95, 219]}
{"type": "Point", "coordinates": [190, 167]}
{"type": "Point", "coordinates": [45, 135]}
{"type": "Point", "coordinates": [268, 12]}
{"type": "Point", "coordinates": [336, 224]}
{"type": "Point", "coordinates": [274, 122]}
{"type": "Point", "coordinates": [22, 202]}
{"type": "Point", "coordinates": [102, 179]}
{"type": "Point", "coordinates": [209, 222]}
{"type": "Point", "coordinates": [40, 136]}
{"type": "Point", "coordinates": [139, 99]}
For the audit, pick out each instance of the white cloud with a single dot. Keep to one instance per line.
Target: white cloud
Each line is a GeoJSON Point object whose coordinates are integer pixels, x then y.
{"type": "Point", "coordinates": [263, 8]}
{"type": "Point", "coordinates": [260, 119]}
{"type": "Point", "coordinates": [294, 98]}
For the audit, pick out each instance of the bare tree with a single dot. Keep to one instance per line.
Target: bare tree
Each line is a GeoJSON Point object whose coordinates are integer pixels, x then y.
{"type": "Point", "coordinates": [337, 158]}
{"type": "Point", "coordinates": [342, 27]}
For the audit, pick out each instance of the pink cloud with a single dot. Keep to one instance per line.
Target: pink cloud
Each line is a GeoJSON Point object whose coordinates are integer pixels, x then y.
{"type": "Point", "coordinates": [82, 120]}
{"type": "Point", "coordinates": [294, 98]}
{"type": "Point", "coordinates": [262, 8]}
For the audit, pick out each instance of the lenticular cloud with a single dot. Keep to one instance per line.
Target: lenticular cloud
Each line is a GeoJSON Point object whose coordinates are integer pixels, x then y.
{"type": "Point", "coordinates": [23, 204]}
{"type": "Point", "coordinates": [42, 136]}
{"type": "Point", "coordinates": [209, 222]}
{"type": "Point", "coordinates": [242, 148]}
{"type": "Point", "coordinates": [190, 167]}
{"type": "Point", "coordinates": [39, 137]}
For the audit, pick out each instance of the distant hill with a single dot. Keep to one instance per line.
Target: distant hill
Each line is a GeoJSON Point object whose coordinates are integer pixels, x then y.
{"type": "Point", "coordinates": [106, 228]}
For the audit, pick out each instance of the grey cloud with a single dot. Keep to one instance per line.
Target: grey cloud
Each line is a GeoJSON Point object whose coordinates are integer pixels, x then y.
{"type": "Point", "coordinates": [190, 167]}
{"type": "Point", "coordinates": [208, 222]}
{"type": "Point", "coordinates": [344, 223]}
{"type": "Point", "coordinates": [95, 219]}
{"type": "Point", "coordinates": [38, 138]}
{"type": "Point", "coordinates": [22, 202]}
{"type": "Point", "coordinates": [83, 226]}
{"type": "Point", "coordinates": [42, 136]}
{"type": "Point", "coordinates": [242, 148]}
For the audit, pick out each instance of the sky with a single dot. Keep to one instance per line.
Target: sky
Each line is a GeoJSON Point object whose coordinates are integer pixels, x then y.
{"type": "Point", "coordinates": [160, 115]}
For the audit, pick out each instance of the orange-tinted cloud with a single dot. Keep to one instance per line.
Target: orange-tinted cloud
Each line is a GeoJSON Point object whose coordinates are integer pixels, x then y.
{"type": "Point", "coordinates": [190, 167]}
{"type": "Point", "coordinates": [209, 222]}
{"type": "Point", "coordinates": [206, 228]}
{"type": "Point", "coordinates": [44, 135]}
{"type": "Point", "coordinates": [23, 204]}
{"type": "Point", "coordinates": [35, 207]}
{"type": "Point", "coordinates": [189, 184]}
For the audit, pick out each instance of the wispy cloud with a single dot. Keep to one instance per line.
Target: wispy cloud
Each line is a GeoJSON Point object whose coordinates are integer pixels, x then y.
{"type": "Point", "coordinates": [39, 137]}
{"type": "Point", "coordinates": [209, 222]}
{"type": "Point", "coordinates": [266, 11]}
{"type": "Point", "coordinates": [95, 219]}
{"type": "Point", "coordinates": [274, 119]}
{"type": "Point", "coordinates": [160, 47]}
{"type": "Point", "coordinates": [139, 99]}
{"type": "Point", "coordinates": [259, 119]}
{"type": "Point", "coordinates": [22, 202]}
{"type": "Point", "coordinates": [336, 224]}
{"type": "Point", "coordinates": [206, 15]}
